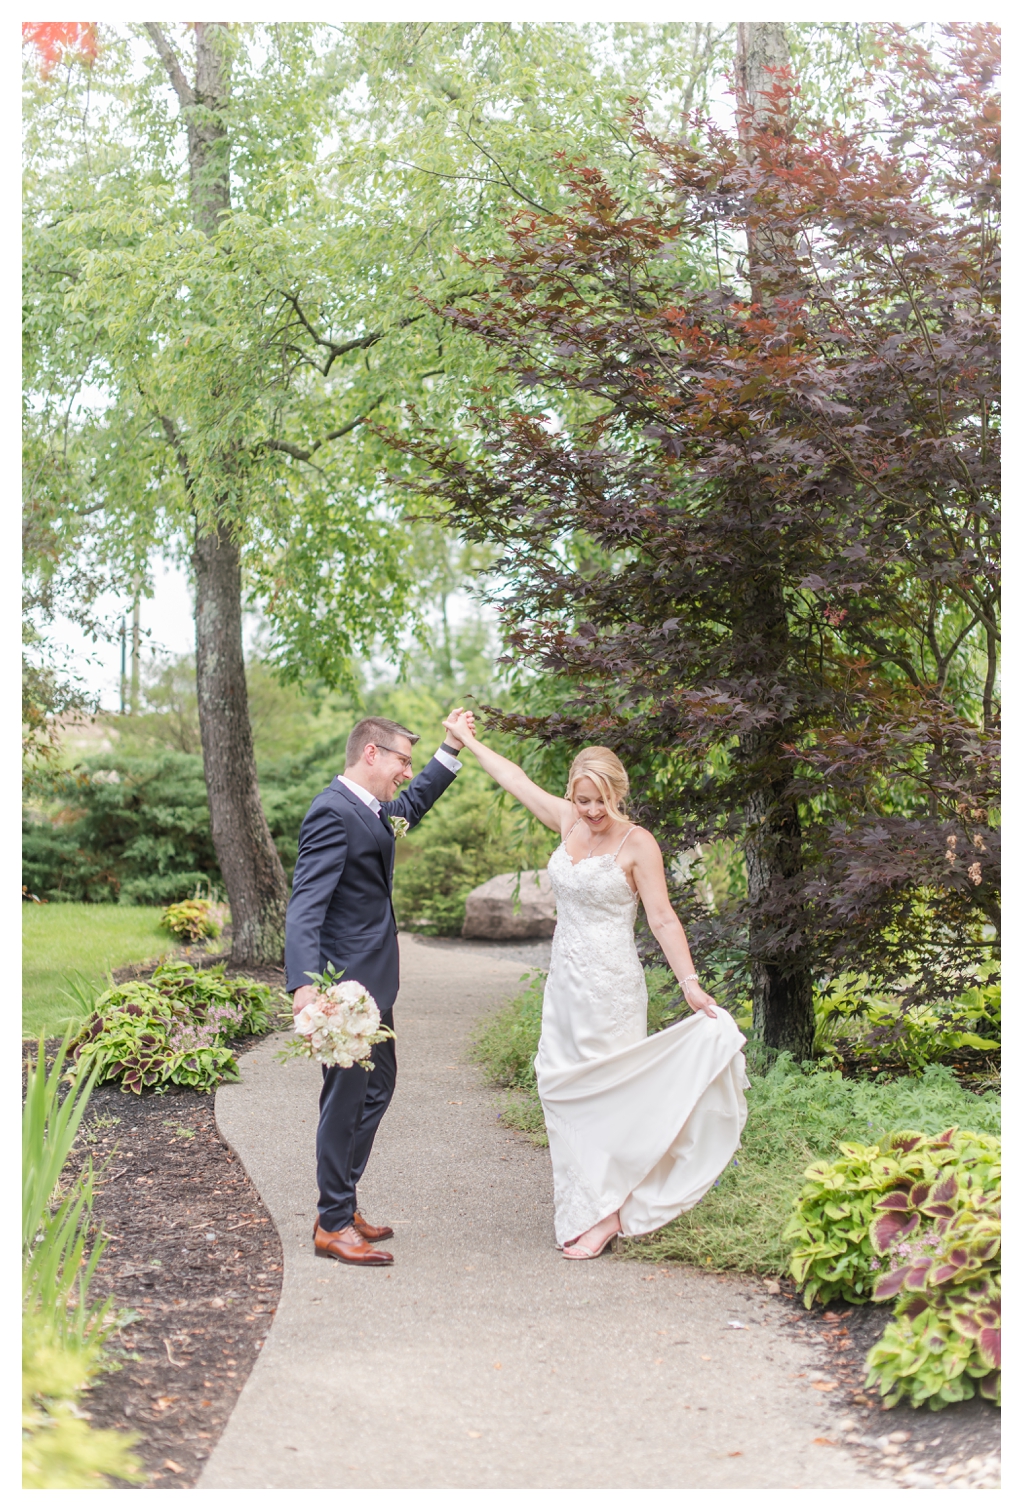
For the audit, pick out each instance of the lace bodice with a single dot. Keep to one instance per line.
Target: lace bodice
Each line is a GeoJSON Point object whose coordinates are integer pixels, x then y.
{"type": "Point", "coordinates": [594, 944]}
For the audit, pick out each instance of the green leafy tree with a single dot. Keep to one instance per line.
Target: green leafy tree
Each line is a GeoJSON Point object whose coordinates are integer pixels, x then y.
{"type": "Point", "coordinates": [225, 228]}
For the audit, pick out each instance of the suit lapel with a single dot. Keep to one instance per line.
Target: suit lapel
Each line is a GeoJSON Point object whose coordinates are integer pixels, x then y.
{"type": "Point", "coordinates": [372, 822]}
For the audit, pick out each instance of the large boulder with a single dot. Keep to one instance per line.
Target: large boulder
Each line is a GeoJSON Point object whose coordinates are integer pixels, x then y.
{"type": "Point", "coordinates": [493, 911]}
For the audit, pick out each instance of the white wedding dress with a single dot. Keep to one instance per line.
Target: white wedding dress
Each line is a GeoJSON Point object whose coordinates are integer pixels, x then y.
{"type": "Point", "coordinates": [637, 1125]}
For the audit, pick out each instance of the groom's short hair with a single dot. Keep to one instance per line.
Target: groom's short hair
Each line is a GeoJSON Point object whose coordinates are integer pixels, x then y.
{"type": "Point", "coordinates": [374, 732]}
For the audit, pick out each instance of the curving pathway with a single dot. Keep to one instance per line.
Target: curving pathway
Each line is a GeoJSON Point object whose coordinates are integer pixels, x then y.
{"type": "Point", "coordinates": [482, 1359]}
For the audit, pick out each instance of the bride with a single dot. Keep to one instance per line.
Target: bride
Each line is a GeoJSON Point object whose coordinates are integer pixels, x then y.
{"type": "Point", "coordinates": [639, 1127]}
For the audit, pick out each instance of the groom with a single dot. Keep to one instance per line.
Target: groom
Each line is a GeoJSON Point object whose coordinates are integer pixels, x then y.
{"type": "Point", "coordinates": [340, 912]}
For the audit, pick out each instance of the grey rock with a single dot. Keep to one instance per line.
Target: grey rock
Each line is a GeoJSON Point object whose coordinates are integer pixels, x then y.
{"type": "Point", "coordinates": [492, 911]}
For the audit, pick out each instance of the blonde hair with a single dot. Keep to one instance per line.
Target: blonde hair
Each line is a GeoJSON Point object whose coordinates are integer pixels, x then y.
{"type": "Point", "coordinates": [607, 774]}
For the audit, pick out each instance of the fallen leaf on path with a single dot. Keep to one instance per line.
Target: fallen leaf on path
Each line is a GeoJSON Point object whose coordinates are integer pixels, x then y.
{"type": "Point", "coordinates": [163, 1402]}
{"type": "Point", "coordinates": [824, 1385]}
{"type": "Point", "coordinates": [825, 1442]}
{"type": "Point", "coordinates": [170, 1464]}
{"type": "Point", "coordinates": [706, 1358]}
{"type": "Point", "coordinates": [772, 1287]}
{"type": "Point", "coordinates": [498, 1364]}
{"type": "Point", "coordinates": [736, 1455]}
{"type": "Point", "coordinates": [740, 1325]}
{"type": "Point", "coordinates": [475, 1434]}
{"type": "Point", "coordinates": [454, 1104]}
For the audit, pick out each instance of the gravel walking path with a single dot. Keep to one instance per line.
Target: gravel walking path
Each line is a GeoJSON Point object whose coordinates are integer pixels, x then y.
{"type": "Point", "coordinates": [482, 1359]}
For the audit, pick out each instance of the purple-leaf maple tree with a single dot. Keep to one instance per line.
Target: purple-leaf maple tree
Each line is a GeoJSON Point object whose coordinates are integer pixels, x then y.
{"type": "Point", "coordinates": [785, 619]}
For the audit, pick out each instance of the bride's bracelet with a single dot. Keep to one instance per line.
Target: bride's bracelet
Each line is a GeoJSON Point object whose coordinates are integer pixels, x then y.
{"type": "Point", "coordinates": [686, 980]}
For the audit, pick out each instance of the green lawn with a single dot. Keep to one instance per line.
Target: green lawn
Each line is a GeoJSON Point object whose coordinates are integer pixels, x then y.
{"type": "Point", "coordinates": [92, 938]}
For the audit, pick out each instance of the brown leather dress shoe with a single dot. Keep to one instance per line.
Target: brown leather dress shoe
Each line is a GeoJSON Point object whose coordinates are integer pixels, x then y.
{"type": "Point", "coordinates": [369, 1232]}
{"type": "Point", "coordinates": [347, 1246]}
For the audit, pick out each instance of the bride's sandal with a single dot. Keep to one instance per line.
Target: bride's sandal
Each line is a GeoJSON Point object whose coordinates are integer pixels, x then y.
{"type": "Point", "coordinates": [584, 1253]}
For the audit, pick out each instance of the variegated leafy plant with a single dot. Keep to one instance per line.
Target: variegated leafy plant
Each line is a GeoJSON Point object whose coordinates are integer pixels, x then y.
{"type": "Point", "coordinates": [943, 1241]}
{"type": "Point", "coordinates": [833, 1255]}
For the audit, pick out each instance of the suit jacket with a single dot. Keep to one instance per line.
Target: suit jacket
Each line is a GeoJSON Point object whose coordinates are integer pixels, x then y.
{"type": "Point", "coordinates": [340, 909]}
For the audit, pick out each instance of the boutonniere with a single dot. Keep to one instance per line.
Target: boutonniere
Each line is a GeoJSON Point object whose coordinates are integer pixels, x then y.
{"type": "Point", "coordinates": [399, 826]}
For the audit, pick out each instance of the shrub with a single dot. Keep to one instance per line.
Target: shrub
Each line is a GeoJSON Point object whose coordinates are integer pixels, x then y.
{"type": "Point", "coordinates": [833, 1225]}
{"type": "Point", "coordinates": [193, 919]}
{"type": "Point", "coordinates": [63, 1329]}
{"type": "Point", "coordinates": [131, 830]}
{"type": "Point", "coordinates": [172, 1030]}
{"type": "Point", "coordinates": [857, 1024]}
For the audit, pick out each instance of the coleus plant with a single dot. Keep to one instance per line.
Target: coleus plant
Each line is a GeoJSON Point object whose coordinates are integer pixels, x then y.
{"type": "Point", "coordinates": [943, 1237]}
{"type": "Point", "coordinates": [834, 1256]}
{"type": "Point", "coordinates": [171, 1030]}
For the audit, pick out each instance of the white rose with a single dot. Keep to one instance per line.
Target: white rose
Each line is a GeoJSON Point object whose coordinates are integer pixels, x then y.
{"type": "Point", "coordinates": [305, 1021]}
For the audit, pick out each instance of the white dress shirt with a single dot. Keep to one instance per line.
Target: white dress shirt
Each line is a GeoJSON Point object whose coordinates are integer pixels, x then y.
{"type": "Point", "coordinates": [443, 756]}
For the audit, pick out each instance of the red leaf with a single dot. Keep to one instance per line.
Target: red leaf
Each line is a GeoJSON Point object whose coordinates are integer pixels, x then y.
{"type": "Point", "coordinates": [898, 1201]}
{"type": "Point", "coordinates": [52, 39]}
{"type": "Point", "coordinates": [989, 1346]}
{"type": "Point", "coordinates": [886, 1230]}
{"type": "Point", "coordinates": [891, 1284]}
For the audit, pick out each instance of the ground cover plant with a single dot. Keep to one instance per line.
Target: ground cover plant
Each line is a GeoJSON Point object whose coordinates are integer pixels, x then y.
{"type": "Point", "coordinates": [64, 1328]}
{"type": "Point", "coordinates": [945, 1340]}
{"type": "Point", "coordinates": [88, 939]}
{"type": "Point", "coordinates": [859, 1026]}
{"type": "Point", "coordinates": [174, 1029]}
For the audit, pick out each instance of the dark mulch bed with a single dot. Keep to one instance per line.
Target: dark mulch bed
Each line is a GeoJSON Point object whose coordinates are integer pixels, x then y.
{"type": "Point", "coordinates": [192, 1251]}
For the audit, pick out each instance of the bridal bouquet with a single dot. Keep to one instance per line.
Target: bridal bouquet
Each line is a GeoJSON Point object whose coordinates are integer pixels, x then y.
{"type": "Point", "coordinates": [339, 1026]}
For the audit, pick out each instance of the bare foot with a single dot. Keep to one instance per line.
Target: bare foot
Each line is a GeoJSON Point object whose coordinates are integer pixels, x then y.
{"type": "Point", "coordinates": [595, 1240]}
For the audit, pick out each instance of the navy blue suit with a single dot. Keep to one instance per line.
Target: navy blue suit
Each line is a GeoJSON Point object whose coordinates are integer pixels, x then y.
{"type": "Point", "coordinates": [340, 912]}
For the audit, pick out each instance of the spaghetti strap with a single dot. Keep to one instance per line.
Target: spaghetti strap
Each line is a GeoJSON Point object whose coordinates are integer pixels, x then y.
{"type": "Point", "coordinates": [624, 838]}
{"type": "Point", "coordinates": [571, 831]}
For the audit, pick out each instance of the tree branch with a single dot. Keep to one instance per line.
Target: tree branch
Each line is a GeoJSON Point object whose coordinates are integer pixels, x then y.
{"type": "Point", "coordinates": [182, 88]}
{"type": "Point", "coordinates": [303, 453]}
{"type": "Point", "coordinates": [170, 430]}
{"type": "Point", "coordinates": [341, 349]}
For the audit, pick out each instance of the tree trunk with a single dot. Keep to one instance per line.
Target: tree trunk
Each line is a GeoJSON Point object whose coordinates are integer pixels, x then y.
{"type": "Point", "coordinates": [257, 888]}
{"type": "Point", "coordinates": [256, 885]}
{"type": "Point", "coordinates": [761, 52]}
{"type": "Point", "coordinates": [782, 981]}
{"type": "Point", "coordinates": [783, 1014]}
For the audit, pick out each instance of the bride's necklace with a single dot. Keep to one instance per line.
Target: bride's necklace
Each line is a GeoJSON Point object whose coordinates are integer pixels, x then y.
{"type": "Point", "coordinates": [589, 853]}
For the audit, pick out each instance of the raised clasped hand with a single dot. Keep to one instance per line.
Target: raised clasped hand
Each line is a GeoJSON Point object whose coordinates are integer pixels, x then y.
{"type": "Point", "coordinates": [460, 725]}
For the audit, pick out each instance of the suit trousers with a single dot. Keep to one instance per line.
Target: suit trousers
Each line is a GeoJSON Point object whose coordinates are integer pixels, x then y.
{"type": "Point", "coordinates": [352, 1102]}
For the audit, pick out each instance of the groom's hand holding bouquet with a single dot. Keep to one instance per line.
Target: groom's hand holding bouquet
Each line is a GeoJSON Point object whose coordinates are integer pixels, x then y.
{"type": "Point", "coordinates": [338, 1024]}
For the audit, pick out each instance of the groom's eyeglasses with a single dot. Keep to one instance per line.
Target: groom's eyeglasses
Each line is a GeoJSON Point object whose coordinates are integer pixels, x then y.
{"type": "Point", "coordinates": [405, 760]}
